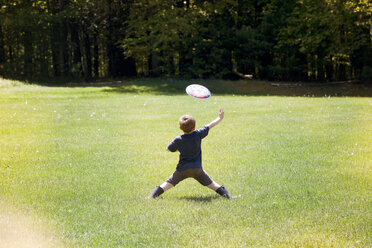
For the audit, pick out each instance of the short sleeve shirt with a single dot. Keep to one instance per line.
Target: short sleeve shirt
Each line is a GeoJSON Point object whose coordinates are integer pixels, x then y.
{"type": "Point", "coordinates": [189, 147]}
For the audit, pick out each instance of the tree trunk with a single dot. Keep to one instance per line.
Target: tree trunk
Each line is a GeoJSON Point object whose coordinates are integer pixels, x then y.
{"type": "Point", "coordinates": [76, 57]}
{"type": "Point", "coordinates": [83, 55]}
{"type": "Point", "coordinates": [54, 46]}
{"type": "Point", "coordinates": [154, 64]}
{"type": "Point", "coordinates": [63, 41]}
{"type": "Point", "coordinates": [329, 69]}
{"type": "Point", "coordinates": [11, 60]}
{"type": "Point", "coordinates": [54, 38]}
{"type": "Point", "coordinates": [2, 51]}
{"type": "Point", "coordinates": [63, 48]}
{"type": "Point", "coordinates": [96, 58]}
{"type": "Point", "coordinates": [341, 72]}
{"type": "Point", "coordinates": [320, 67]}
{"type": "Point", "coordinates": [27, 45]}
{"type": "Point", "coordinates": [43, 60]}
{"type": "Point", "coordinates": [88, 57]}
{"type": "Point", "coordinates": [171, 67]}
{"type": "Point", "coordinates": [110, 45]}
{"type": "Point", "coordinates": [110, 55]}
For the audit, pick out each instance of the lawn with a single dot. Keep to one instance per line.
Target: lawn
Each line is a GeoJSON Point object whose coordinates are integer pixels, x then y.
{"type": "Point", "coordinates": [77, 163]}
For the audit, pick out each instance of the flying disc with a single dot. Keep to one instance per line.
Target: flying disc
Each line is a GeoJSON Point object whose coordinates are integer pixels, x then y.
{"type": "Point", "coordinates": [198, 91]}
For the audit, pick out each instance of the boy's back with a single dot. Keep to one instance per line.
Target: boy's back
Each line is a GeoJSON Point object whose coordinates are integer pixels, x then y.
{"type": "Point", "coordinates": [189, 146]}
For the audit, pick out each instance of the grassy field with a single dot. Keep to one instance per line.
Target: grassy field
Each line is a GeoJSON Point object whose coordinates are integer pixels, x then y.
{"type": "Point", "coordinates": [77, 163]}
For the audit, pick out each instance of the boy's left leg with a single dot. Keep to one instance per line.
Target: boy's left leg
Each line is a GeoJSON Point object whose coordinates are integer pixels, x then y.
{"type": "Point", "coordinates": [213, 186]}
{"type": "Point", "coordinates": [223, 192]}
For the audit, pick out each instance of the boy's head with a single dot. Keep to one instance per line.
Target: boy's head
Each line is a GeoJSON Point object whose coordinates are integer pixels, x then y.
{"type": "Point", "coordinates": [187, 123]}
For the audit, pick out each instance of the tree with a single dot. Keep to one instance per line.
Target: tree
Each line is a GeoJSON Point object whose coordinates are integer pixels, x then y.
{"type": "Point", "coordinates": [155, 29]}
{"type": "Point", "coordinates": [330, 35]}
{"type": "Point", "coordinates": [305, 39]}
{"type": "Point", "coordinates": [272, 39]}
{"type": "Point", "coordinates": [192, 38]}
{"type": "Point", "coordinates": [351, 37]}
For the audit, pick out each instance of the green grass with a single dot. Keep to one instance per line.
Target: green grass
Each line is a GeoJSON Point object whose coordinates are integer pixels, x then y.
{"type": "Point", "coordinates": [82, 160]}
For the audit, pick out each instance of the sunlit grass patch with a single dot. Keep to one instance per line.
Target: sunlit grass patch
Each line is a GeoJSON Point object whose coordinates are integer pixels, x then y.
{"type": "Point", "coordinates": [6, 83]}
{"type": "Point", "coordinates": [25, 229]}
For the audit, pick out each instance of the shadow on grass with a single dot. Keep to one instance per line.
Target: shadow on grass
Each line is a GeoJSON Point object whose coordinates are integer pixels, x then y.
{"type": "Point", "coordinates": [150, 86]}
{"type": "Point", "coordinates": [171, 86]}
{"type": "Point", "coordinates": [242, 88]}
{"type": "Point", "coordinates": [199, 198]}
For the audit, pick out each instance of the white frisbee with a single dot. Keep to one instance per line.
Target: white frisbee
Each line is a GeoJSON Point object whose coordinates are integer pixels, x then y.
{"type": "Point", "coordinates": [198, 91]}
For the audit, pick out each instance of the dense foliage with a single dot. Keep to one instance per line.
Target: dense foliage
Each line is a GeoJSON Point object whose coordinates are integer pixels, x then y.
{"type": "Point", "coordinates": [271, 39]}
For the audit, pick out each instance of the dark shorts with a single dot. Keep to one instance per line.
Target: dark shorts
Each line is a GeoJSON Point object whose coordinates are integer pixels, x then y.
{"type": "Point", "coordinates": [198, 174]}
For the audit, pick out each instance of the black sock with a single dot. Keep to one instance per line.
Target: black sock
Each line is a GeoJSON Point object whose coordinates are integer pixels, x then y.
{"type": "Point", "coordinates": [157, 191]}
{"type": "Point", "coordinates": [223, 192]}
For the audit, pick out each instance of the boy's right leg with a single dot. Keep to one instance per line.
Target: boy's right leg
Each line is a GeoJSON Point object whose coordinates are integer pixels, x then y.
{"type": "Point", "coordinates": [156, 192]}
{"type": "Point", "coordinates": [172, 181]}
{"type": "Point", "coordinates": [165, 186]}
{"type": "Point", "coordinates": [160, 189]}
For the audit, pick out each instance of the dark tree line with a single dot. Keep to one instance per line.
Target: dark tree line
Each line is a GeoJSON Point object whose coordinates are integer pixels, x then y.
{"type": "Point", "coordinates": [64, 38]}
{"type": "Point", "coordinates": [271, 39]}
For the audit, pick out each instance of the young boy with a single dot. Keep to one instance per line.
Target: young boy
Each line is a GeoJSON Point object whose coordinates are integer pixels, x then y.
{"type": "Point", "coordinates": [190, 162]}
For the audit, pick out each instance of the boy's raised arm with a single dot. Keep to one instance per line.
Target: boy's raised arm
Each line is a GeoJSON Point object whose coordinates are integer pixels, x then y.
{"type": "Point", "coordinates": [218, 119]}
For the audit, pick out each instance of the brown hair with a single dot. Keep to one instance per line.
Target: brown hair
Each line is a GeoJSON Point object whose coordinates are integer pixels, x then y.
{"type": "Point", "coordinates": [187, 123]}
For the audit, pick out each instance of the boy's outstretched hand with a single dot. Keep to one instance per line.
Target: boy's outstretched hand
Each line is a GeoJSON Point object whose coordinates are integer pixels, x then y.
{"type": "Point", "coordinates": [221, 114]}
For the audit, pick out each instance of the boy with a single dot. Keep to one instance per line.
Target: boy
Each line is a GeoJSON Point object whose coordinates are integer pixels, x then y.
{"type": "Point", "coordinates": [190, 163]}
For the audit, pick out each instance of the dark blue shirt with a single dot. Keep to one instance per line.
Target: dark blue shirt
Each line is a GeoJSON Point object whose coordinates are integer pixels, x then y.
{"type": "Point", "coordinates": [189, 146]}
